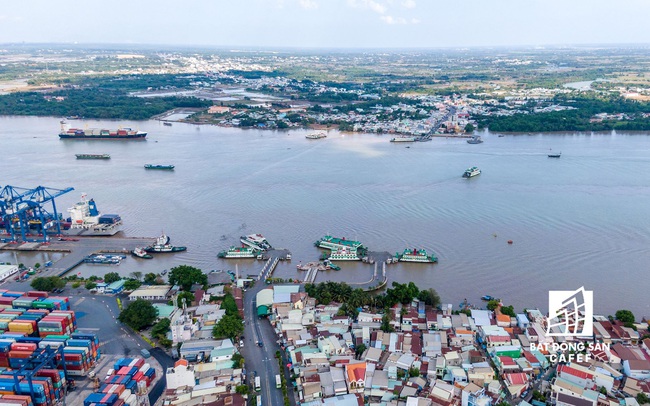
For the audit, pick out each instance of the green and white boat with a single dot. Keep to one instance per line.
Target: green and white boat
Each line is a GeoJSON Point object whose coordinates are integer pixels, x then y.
{"type": "Point", "coordinates": [471, 172]}
{"type": "Point", "coordinates": [238, 252]}
{"type": "Point", "coordinates": [334, 243]}
{"type": "Point", "coordinates": [344, 254]}
{"type": "Point", "coordinates": [415, 255]}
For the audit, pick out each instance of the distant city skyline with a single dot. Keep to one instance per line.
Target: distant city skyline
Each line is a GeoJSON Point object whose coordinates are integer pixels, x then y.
{"type": "Point", "coordinates": [327, 23]}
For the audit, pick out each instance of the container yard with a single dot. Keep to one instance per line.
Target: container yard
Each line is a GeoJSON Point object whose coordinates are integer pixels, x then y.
{"type": "Point", "coordinates": [128, 379]}
{"type": "Point", "coordinates": [40, 350]}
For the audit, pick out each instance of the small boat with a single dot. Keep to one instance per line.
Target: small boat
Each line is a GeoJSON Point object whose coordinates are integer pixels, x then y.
{"type": "Point", "coordinates": [164, 272]}
{"type": "Point", "coordinates": [93, 156]}
{"type": "Point", "coordinates": [471, 172]}
{"type": "Point", "coordinates": [164, 167]}
{"type": "Point", "coordinates": [487, 298]}
{"type": "Point", "coordinates": [501, 135]}
{"type": "Point", "coordinates": [167, 123]}
{"type": "Point", "coordinates": [316, 136]}
{"type": "Point", "coordinates": [156, 248]}
{"type": "Point", "coordinates": [476, 139]}
{"type": "Point", "coordinates": [555, 155]}
{"type": "Point", "coordinates": [141, 253]}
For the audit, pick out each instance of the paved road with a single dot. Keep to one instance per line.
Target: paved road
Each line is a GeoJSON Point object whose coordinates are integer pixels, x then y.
{"type": "Point", "coordinates": [165, 362]}
{"type": "Point", "coordinates": [260, 359]}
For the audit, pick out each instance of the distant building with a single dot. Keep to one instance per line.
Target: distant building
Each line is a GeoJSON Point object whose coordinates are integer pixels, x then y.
{"type": "Point", "coordinates": [156, 292]}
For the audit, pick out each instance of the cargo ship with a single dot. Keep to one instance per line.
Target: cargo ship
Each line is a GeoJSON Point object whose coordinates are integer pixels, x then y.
{"type": "Point", "coordinates": [86, 220]}
{"type": "Point", "coordinates": [256, 241]}
{"type": "Point", "coordinates": [415, 255]}
{"type": "Point", "coordinates": [99, 133]}
{"type": "Point", "coordinates": [238, 252]}
{"type": "Point", "coordinates": [93, 156]}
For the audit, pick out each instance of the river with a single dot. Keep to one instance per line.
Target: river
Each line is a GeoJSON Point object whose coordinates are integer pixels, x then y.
{"type": "Point", "coordinates": [579, 220]}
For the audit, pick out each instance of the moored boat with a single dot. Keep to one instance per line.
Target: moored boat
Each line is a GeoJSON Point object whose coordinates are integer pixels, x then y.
{"type": "Point", "coordinates": [238, 252]}
{"type": "Point", "coordinates": [334, 243]}
{"type": "Point", "coordinates": [141, 253]}
{"type": "Point", "coordinates": [476, 139]}
{"type": "Point", "coordinates": [402, 139]}
{"type": "Point", "coordinates": [164, 248]}
{"type": "Point", "coordinates": [163, 167]}
{"type": "Point", "coordinates": [256, 241]}
{"type": "Point", "coordinates": [93, 156]}
{"type": "Point", "coordinates": [344, 254]}
{"type": "Point", "coordinates": [415, 255]}
{"type": "Point", "coordinates": [471, 172]}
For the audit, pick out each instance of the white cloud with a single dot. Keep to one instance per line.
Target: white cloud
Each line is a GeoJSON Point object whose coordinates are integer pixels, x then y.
{"type": "Point", "coordinates": [408, 3]}
{"type": "Point", "coordinates": [390, 20]}
{"type": "Point", "coordinates": [308, 4]}
{"type": "Point", "coordinates": [368, 4]}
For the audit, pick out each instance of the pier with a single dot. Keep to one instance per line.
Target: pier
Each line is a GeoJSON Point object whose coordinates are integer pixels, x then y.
{"type": "Point", "coordinates": [268, 268]}
{"type": "Point", "coordinates": [76, 251]}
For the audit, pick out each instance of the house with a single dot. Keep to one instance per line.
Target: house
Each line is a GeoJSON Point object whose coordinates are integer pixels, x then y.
{"type": "Point", "coordinates": [637, 369]}
{"type": "Point", "coordinates": [356, 377]}
{"type": "Point", "coordinates": [152, 293]}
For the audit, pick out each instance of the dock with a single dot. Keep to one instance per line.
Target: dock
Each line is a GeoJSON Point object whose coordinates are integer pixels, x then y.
{"type": "Point", "coordinates": [76, 251]}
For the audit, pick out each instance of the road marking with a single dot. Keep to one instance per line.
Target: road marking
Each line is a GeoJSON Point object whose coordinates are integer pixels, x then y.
{"type": "Point", "coordinates": [79, 301]}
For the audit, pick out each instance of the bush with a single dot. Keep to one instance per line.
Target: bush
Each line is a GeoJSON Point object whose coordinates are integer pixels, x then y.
{"type": "Point", "coordinates": [75, 285]}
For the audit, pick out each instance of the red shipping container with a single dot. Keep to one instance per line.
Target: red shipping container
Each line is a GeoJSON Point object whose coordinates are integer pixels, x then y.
{"type": "Point", "coordinates": [37, 293]}
{"type": "Point", "coordinates": [24, 346]}
{"type": "Point", "coordinates": [20, 354]}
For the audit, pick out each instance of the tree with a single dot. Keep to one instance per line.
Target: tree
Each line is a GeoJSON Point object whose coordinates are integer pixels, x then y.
{"type": "Point", "coordinates": [137, 275]}
{"type": "Point", "coordinates": [150, 278]}
{"type": "Point", "coordinates": [229, 305]}
{"type": "Point", "coordinates": [112, 277]}
{"type": "Point", "coordinates": [625, 316]}
{"type": "Point", "coordinates": [642, 398]}
{"type": "Point", "coordinates": [132, 284]}
{"type": "Point", "coordinates": [537, 395]}
{"type": "Point", "coordinates": [91, 285]}
{"type": "Point", "coordinates": [228, 327]}
{"type": "Point", "coordinates": [469, 128]}
{"type": "Point", "coordinates": [184, 297]}
{"type": "Point", "coordinates": [37, 265]}
{"type": "Point", "coordinates": [237, 360]}
{"type": "Point", "coordinates": [185, 276]}
{"type": "Point", "coordinates": [242, 389]}
{"type": "Point", "coordinates": [48, 283]}
{"type": "Point", "coordinates": [430, 297]}
{"type": "Point", "coordinates": [160, 329]}
{"type": "Point", "coordinates": [493, 304]}
{"type": "Point", "coordinates": [139, 314]}
{"type": "Point", "coordinates": [413, 372]}
{"type": "Point", "coordinates": [386, 327]}
{"type": "Point", "coordinates": [359, 350]}
{"type": "Point", "coordinates": [508, 310]}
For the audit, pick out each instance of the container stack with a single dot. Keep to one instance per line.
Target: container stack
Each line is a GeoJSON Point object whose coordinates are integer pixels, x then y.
{"type": "Point", "coordinates": [16, 400]}
{"type": "Point", "coordinates": [123, 382]}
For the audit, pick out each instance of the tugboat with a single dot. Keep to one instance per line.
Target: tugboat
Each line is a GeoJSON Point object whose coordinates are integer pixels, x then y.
{"type": "Point", "coordinates": [238, 252]}
{"type": "Point", "coordinates": [415, 255]}
{"type": "Point", "coordinates": [162, 245]}
{"type": "Point", "coordinates": [487, 298]}
{"type": "Point", "coordinates": [471, 172]}
{"type": "Point", "coordinates": [141, 253]}
{"type": "Point", "coordinates": [476, 139]}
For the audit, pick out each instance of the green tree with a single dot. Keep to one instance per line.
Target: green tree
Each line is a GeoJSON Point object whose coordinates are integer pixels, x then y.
{"type": "Point", "coordinates": [625, 316]}
{"type": "Point", "coordinates": [112, 277]}
{"type": "Point", "coordinates": [602, 390]}
{"type": "Point", "coordinates": [160, 329]}
{"type": "Point", "coordinates": [228, 327]}
{"type": "Point", "coordinates": [139, 314]}
{"type": "Point", "coordinates": [430, 297]}
{"type": "Point", "coordinates": [132, 284]}
{"type": "Point", "coordinates": [229, 305]}
{"type": "Point", "coordinates": [150, 278]}
{"type": "Point", "coordinates": [359, 350]}
{"type": "Point", "coordinates": [642, 398]}
{"type": "Point", "coordinates": [48, 283]}
{"type": "Point", "coordinates": [137, 275]}
{"type": "Point", "coordinates": [91, 285]}
{"type": "Point", "coordinates": [184, 297]}
{"type": "Point", "coordinates": [75, 285]}
{"type": "Point", "coordinates": [237, 360]}
{"type": "Point", "coordinates": [242, 389]}
{"type": "Point", "coordinates": [185, 276]}
{"type": "Point", "coordinates": [508, 310]}
{"type": "Point", "coordinates": [413, 372]}
{"type": "Point", "coordinates": [37, 265]}
{"type": "Point", "coordinates": [537, 395]}
{"type": "Point", "coordinates": [493, 304]}
{"type": "Point", "coordinates": [386, 327]}
{"type": "Point", "coordinates": [469, 128]}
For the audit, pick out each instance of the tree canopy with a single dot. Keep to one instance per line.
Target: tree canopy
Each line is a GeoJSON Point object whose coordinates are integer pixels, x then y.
{"type": "Point", "coordinates": [184, 297]}
{"type": "Point", "coordinates": [112, 277]}
{"type": "Point", "coordinates": [47, 283]}
{"type": "Point", "coordinates": [186, 276]}
{"type": "Point", "coordinates": [228, 327]}
{"type": "Point", "coordinates": [626, 316]}
{"type": "Point", "coordinates": [132, 284]}
{"type": "Point", "coordinates": [139, 314]}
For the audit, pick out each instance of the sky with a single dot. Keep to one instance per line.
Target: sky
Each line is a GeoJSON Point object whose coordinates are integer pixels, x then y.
{"type": "Point", "coordinates": [327, 23]}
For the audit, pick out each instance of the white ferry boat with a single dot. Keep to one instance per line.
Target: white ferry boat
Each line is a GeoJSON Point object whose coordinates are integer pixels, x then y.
{"type": "Point", "coordinates": [256, 241]}
{"type": "Point", "coordinates": [415, 255]}
{"type": "Point", "coordinates": [316, 136]}
{"type": "Point", "coordinates": [238, 252]}
{"type": "Point", "coordinates": [344, 255]}
{"type": "Point", "coordinates": [334, 243]}
{"type": "Point", "coordinates": [471, 172]}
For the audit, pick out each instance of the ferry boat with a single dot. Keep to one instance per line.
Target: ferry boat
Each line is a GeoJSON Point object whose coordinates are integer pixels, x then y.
{"type": "Point", "coordinates": [471, 172]}
{"type": "Point", "coordinates": [415, 255]}
{"type": "Point", "coordinates": [402, 139]}
{"type": "Point", "coordinates": [163, 167]}
{"type": "Point", "coordinates": [316, 136]}
{"type": "Point", "coordinates": [256, 241]}
{"type": "Point", "coordinates": [97, 133]}
{"type": "Point", "coordinates": [334, 243]}
{"type": "Point", "coordinates": [93, 156]}
{"type": "Point", "coordinates": [141, 253]}
{"type": "Point", "coordinates": [238, 252]}
{"type": "Point", "coordinates": [85, 219]}
{"type": "Point", "coordinates": [476, 139]}
{"type": "Point", "coordinates": [344, 254]}
{"type": "Point", "coordinates": [104, 259]}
